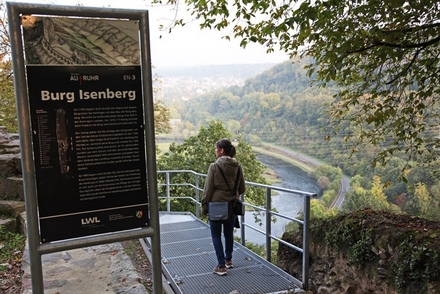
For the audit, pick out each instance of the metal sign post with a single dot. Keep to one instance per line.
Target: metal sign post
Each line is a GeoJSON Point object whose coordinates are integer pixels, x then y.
{"type": "Point", "coordinates": [84, 97]}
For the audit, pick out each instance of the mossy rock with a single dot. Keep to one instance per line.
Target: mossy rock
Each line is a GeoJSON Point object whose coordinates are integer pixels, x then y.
{"type": "Point", "coordinates": [11, 215]}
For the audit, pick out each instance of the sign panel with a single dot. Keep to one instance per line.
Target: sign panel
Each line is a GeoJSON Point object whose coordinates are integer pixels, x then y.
{"type": "Point", "coordinates": [85, 96]}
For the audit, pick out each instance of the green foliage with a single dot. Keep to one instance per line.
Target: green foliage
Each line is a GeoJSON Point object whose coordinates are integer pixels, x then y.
{"type": "Point", "coordinates": [8, 113]}
{"type": "Point", "coordinates": [329, 179]}
{"type": "Point", "coordinates": [410, 245]}
{"type": "Point", "coordinates": [12, 246]}
{"type": "Point", "coordinates": [349, 234]}
{"type": "Point", "coordinates": [324, 170]}
{"type": "Point", "coordinates": [261, 249]}
{"type": "Point", "coordinates": [328, 197]}
{"type": "Point", "coordinates": [374, 198]}
{"type": "Point", "coordinates": [355, 199]}
{"type": "Point", "coordinates": [421, 201]}
{"type": "Point", "coordinates": [264, 109]}
{"type": "Point", "coordinates": [416, 260]}
{"type": "Point", "coordinates": [360, 252]}
{"type": "Point", "coordinates": [319, 210]}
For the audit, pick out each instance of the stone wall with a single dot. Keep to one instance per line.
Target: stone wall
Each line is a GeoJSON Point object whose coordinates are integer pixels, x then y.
{"type": "Point", "coordinates": [11, 182]}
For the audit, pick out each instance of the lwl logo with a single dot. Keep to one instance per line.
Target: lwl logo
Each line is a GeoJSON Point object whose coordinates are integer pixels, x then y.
{"type": "Point", "coordinates": [90, 220]}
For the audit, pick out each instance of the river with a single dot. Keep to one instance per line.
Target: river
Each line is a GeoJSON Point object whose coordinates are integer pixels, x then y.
{"type": "Point", "coordinates": [292, 177]}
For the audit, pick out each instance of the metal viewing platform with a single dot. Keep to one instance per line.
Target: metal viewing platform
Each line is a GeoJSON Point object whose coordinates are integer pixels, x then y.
{"type": "Point", "coordinates": [188, 259]}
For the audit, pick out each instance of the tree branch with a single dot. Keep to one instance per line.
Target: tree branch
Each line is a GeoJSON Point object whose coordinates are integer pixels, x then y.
{"type": "Point", "coordinates": [392, 45]}
{"type": "Point", "coordinates": [406, 68]}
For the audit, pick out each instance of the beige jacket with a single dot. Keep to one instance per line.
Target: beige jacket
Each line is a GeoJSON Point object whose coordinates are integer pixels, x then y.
{"type": "Point", "coordinates": [215, 189]}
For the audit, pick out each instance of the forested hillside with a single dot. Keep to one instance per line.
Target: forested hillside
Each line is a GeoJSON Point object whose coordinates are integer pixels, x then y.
{"type": "Point", "coordinates": [282, 106]}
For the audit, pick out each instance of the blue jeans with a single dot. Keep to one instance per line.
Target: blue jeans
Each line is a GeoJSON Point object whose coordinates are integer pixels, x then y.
{"type": "Point", "coordinates": [216, 234]}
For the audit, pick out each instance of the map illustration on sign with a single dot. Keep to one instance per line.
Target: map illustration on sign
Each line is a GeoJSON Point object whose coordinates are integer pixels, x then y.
{"type": "Point", "coordinates": [62, 40]}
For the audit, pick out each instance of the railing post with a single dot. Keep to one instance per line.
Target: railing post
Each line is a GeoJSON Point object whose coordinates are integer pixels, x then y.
{"type": "Point", "coordinates": [167, 176]}
{"type": "Point", "coordinates": [197, 196]}
{"type": "Point", "coordinates": [243, 225]}
{"type": "Point", "coordinates": [306, 241]}
{"type": "Point", "coordinates": [268, 225]}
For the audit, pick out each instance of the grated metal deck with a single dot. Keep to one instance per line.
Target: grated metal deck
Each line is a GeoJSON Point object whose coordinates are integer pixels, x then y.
{"type": "Point", "coordinates": [188, 259]}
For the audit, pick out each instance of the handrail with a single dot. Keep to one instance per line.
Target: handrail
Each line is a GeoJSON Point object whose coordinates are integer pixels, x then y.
{"type": "Point", "coordinates": [267, 210]}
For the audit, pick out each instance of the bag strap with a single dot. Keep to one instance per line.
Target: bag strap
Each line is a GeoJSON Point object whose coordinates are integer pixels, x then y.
{"type": "Point", "coordinates": [236, 180]}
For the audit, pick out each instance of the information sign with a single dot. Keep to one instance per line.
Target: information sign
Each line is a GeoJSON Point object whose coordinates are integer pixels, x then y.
{"type": "Point", "coordinates": [88, 127]}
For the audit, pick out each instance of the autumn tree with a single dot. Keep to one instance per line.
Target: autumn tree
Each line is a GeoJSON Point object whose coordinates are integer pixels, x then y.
{"type": "Point", "coordinates": [317, 210]}
{"type": "Point", "coordinates": [383, 54]}
{"type": "Point", "coordinates": [358, 197]}
{"type": "Point", "coordinates": [8, 114]}
{"type": "Point", "coordinates": [378, 198]}
{"type": "Point", "coordinates": [421, 203]}
{"type": "Point", "coordinates": [323, 183]}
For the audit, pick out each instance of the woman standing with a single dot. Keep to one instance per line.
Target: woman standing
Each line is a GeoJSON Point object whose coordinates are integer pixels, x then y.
{"type": "Point", "coordinates": [218, 190]}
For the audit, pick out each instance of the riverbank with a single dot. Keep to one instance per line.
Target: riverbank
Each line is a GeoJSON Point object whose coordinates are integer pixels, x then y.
{"type": "Point", "coordinates": [306, 163]}
{"type": "Point", "coordinates": [288, 156]}
{"type": "Point", "coordinates": [289, 176]}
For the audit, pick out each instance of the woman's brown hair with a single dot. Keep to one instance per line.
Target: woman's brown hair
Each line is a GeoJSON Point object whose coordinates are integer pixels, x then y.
{"type": "Point", "coordinates": [227, 146]}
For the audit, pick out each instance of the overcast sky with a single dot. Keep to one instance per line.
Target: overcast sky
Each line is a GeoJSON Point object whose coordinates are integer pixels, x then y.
{"type": "Point", "coordinates": [188, 45]}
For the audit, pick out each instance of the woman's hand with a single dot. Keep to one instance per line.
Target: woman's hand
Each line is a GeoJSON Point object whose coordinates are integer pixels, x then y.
{"type": "Point", "coordinates": [205, 209]}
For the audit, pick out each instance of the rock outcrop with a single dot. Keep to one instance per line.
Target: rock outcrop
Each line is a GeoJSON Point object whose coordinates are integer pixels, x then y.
{"type": "Point", "coordinates": [11, 182]}
{"type": "Point", "coordinates": [13, 216]}
{"type": "Point", "coordinates": [12, 208]}
{"type": "Point", "coordinates": [368, 252]}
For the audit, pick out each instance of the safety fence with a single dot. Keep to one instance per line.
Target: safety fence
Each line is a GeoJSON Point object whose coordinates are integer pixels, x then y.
{"type": "Point", "coordinates": [177, 185]}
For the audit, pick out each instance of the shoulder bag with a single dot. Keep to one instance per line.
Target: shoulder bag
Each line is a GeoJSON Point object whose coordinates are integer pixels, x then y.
{"type": "Point", "coordinates": [219, 211]}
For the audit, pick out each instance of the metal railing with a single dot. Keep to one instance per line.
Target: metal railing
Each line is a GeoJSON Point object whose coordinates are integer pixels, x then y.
{"type": "Point", "coordinates": [267, 210]}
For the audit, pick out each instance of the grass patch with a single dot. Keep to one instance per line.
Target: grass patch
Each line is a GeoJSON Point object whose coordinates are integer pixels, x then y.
{"type": "Point", "coordinates": [261, 249]}
{"type": "Point", "coordinates": [11, 249]}
{"type": "Point", "coordinates": [271, 176]}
